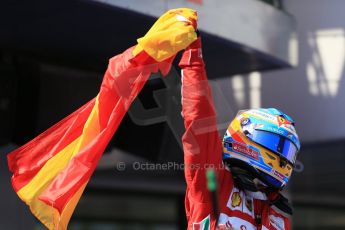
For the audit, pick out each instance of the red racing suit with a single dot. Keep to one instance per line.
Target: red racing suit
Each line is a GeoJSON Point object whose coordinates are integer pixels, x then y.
{"type": "Point", "coordinates": [202, 145]}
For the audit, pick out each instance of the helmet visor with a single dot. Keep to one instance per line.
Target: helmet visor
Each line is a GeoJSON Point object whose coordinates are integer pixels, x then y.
{"type": "Point", "coordinates": [276, 143]}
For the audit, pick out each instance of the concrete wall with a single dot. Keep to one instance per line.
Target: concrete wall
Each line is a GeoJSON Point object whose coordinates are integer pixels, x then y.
{"type": "Point", "coordinates": [243, 22]}
{"type": "Point", "coordinates": [314, 92]}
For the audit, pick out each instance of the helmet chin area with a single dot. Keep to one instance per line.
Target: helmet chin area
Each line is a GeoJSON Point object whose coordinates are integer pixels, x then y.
{"type": "Point", "coordinates": [249, 178]}
{"type": "Point", "coordinates": [259, 184]}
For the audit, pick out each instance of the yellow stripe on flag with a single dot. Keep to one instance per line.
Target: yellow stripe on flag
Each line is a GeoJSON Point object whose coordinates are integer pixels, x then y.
{"type": "Point", "coordinates": [47, 173]}
{"type": "Point", "coordinates": [30, 192]}
{"type": "Point", "coordinates": [48, 215]}
{"type": "Point", "coordinates": [169, 34]}
{"type": "Point", "coordinates": [91, 128]}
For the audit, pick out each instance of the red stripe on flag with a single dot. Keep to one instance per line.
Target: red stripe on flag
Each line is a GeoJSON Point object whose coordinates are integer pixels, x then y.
{"type": "Point", "coordinates": [26, 161]}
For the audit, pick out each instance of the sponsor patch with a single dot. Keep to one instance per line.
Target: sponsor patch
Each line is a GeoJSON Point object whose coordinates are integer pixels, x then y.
{"type": "Point", "coordinates": [236, 199]}
{"type": "Point", "coordinates": [278, 174]}
{"type": "Point", "coordinates": [245, 150]}
{"type": "Point", "coordinates": [202, 225]}
{"type": "Point", "coordinates": [275, 130]}
{"type": "Point", "coordinates": [263, 115]}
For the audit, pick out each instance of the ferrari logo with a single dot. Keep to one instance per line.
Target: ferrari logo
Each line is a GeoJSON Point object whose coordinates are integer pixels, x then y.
{"type": "Point", "coordinates": [235, 199]}
{"type": "Point", "coordinates": [282, 121]}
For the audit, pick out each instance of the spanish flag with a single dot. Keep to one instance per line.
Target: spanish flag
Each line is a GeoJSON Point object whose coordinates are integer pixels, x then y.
{"type": "Point", "coordinates": [51, 171]}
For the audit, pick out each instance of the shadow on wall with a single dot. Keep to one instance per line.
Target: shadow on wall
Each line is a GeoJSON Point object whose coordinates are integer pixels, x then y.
{"type": "Point", "coordinates": [325, 68]}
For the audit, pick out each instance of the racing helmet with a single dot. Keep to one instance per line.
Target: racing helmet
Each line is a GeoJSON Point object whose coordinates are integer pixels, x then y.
{"type": "Point", "coordinates": [264, 144]}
